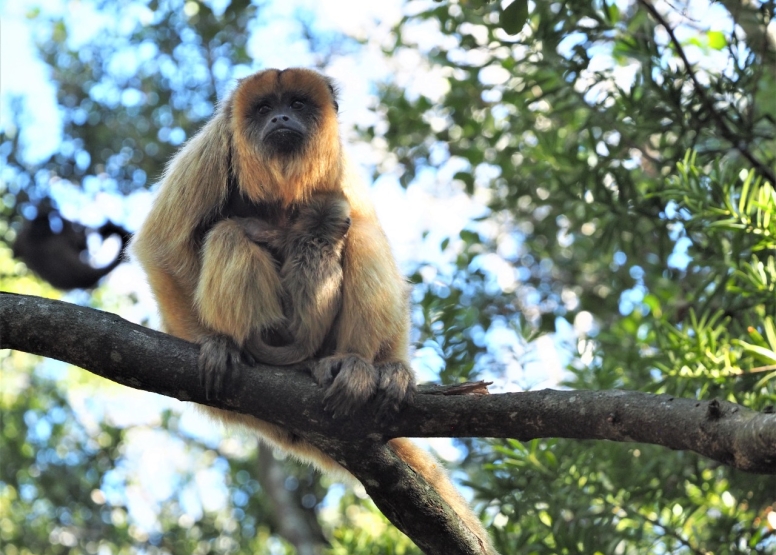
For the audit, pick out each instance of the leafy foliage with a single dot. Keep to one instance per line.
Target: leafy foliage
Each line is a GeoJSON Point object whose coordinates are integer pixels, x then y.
{"type": "Point", "coordinates": [626, 153]}
{"type": "Point", "coordinates": [628, 186]}
{"type": "Point", "coordinates": [63, 489]}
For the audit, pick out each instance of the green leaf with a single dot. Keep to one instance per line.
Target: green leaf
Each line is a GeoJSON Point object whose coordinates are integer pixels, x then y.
{"type": "Point", "coordinates": [468, 180]}
{"type": "Point", "coordinates": [514, 16]}
{"type": "Point", "coordinates": [765, 355]}
{"type": "Point", "coordinates": [717, 40]}
{"type": "Point", "coordinates": [469, 237]}
{"type": "Point", "coordinates": [770, 332]}
{"type": "Point", "coordinates": [612, 12]}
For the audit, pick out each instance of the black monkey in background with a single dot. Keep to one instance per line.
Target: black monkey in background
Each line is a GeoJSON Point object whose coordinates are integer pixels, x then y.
{"type": "Point", "coordinates": [59, 256]}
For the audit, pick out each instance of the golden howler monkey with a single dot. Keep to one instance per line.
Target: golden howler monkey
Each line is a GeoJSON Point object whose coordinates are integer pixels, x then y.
{"type": "Point", "coordinates": [271, 148]}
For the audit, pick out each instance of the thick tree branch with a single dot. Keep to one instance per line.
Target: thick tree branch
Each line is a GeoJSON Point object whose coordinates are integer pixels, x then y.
{"type": "Point", "coordinates": [141, 358]}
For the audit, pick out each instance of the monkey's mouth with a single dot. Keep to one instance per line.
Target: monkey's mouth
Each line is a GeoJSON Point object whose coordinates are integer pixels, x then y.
{"type": "Point", "coordinates": [282, 131]}
{"type": "Point", "coordinates": [285, 140]}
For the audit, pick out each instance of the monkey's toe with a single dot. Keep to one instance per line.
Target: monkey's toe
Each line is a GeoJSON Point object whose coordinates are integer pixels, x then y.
{"type": "Point", "coordinates": [350, 381]}
{"type": "Point", "coordinates": [245, 358]}
{"type": "Point", "coordinates": [397, 385]}
{"type": "Point", "coordinates": [218, 362]}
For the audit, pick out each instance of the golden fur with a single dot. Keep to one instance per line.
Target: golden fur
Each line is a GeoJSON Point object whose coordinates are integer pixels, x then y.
{"type": "Point", "coordinates": [212, 282]}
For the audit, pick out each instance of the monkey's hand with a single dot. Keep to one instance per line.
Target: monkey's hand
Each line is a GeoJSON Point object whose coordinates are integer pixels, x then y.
{"type": "Point", "coordinates": [350, 381]}
{"type": "Point", "coordinates": [218, 365]}
{"type": "Point", "coordinates": [397, 385]}
{"type": "Point", "coordinates": [337, 220]}
{"type": "Point", "coordinates": [326, 216]}
{"type": "Point", "coordinates": [260, 231]}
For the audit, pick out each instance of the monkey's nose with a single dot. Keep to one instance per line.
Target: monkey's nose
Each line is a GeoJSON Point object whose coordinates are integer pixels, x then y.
{"type": "Point", "coordinates": [275, 119]}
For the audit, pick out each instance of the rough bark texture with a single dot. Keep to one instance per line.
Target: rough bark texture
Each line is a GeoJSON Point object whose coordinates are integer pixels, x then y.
{"type": "Point", "coordinates": [141, 358]}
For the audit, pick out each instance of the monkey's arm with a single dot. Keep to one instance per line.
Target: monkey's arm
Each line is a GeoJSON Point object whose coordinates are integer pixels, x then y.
{"type": "Point", "coordinates": [372, 333]}
{"type": "Point", "coordinates": [239, 286]}
{"type": "Point", "coordinates": [374, 322]}
{"type": "Point", "coordinates": [374, 299]}
{"type": "Point", "coordinates": [238, 292]}
{"type": "Point", "coordinates": [194, 187]}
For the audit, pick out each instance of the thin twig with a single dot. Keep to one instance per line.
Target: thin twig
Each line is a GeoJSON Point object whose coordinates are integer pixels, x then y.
{"type": "Point", "coordinates": [673, 534]}
{"type": "Point", "coordinates": [766, 368]}
{"type": "Point", "coordinates": [727, 133]}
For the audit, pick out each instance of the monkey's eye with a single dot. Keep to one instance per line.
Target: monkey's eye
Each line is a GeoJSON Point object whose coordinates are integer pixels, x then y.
{"type": "Point", "coordinates": [264, 109]}
{"type": "Point", "coordinates": [297, 104]}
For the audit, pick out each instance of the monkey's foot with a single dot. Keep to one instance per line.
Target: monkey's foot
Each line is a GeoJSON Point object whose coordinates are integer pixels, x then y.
{"type": "Point", "coordinates": [350, 381]}
{"type": "Point", "coordinates": [218, 365]}
{"type": "Point", "coordinates": [397, 384]}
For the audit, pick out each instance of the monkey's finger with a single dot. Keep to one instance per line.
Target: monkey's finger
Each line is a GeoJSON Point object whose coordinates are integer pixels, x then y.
{"type": "Point", "coordinates": [201, 373]}
{"type": "Point", "coordinates": [352, 387]}
{"type": "Point", "coordinates": [206, 381]}
{"type": "Point", "coordinates": [247, 358]}
{"type": "Point", "coordinates": [208, 360]}
{"type": "Point", "coordinates": [232, 374]}
{"type": "Point", "coordinates": [211, 381]}
{"type": "Point", "coordinates": [397, 385]}
{"type": "Point", "coordinates": [218, 381]}
{"type": "Point", "coordinates": [218, 358]}
{"type": "Point", "coordinates": [203, 381]}
{"type": "Point", "coordinates": [325, 370]}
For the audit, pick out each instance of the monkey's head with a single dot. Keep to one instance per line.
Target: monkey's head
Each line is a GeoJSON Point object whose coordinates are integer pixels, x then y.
{"type": "Point", "coordinates": [328, 216]}
{"type": "Point", "coordinates": [285, 135]}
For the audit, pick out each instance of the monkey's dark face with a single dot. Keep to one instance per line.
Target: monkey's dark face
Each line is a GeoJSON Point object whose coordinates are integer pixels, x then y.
{"type": "Point", "coordinates": [284, 122]}
{"type": "Point", "coordinates": [285, 135]}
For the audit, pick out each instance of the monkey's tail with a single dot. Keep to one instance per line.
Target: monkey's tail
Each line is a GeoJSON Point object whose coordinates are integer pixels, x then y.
{"type": "Point", "coordinates": [428, 467]}
{"type": "Point", "coordinates": [282, 355]}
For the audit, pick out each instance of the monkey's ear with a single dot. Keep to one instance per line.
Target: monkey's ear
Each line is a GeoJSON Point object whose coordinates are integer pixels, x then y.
{"type": "Point", "coordinates": [334, 93]}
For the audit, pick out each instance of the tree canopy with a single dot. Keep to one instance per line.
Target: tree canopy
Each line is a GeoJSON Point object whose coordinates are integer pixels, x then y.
{"type": "Point", "coordinates": [621, 159]}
